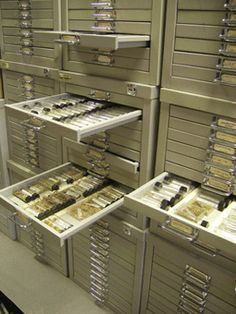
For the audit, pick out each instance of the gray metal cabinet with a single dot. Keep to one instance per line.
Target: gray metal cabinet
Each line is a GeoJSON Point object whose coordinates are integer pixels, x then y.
{"type": "Point", "coordinates": [199, 53]}
{"type": "Point", "coordinates": [24, 82]}
{"type": "Point", "coordinates": [19, 20]}
{"type": "Point", "coordinates": [180, 281]}
{"type": "Point", "coordinates": [112, 39]}
{"type": "Point", "coordinates": [107, 260]}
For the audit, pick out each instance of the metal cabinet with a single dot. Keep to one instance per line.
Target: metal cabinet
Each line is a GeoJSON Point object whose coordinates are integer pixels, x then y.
{"type": "Point", "coordinates": [107, 260]}
{"type": "Point", "coordinates": [179, 281]}
{"type": "Point", "coordinates": [199, 52]}
{"type": "Point", "coordinates": [24, 82]}
{"type": "Point", "coordinates": [112, 39]}
{"type": "Point", "coordinates": [19, 20]}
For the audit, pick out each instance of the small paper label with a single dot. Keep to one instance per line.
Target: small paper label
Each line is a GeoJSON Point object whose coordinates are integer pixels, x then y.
{"type": "Point", "coordinates": [181, 227]}
{"type": "Point", "coordinates": [220, 173]}
{"type": "Point", "coordinates": [226, 137]}
{"type": "Point", "coordinates": [218, 185]}
{"type": "Point", "coordinates": [222, 161]}
{"type": "Point", "coordinates": [224, 149]}
{"type": "Point", "coordinates": [227, 124]}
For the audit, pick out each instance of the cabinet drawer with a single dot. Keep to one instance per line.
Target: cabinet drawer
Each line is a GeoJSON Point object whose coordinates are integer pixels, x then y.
{"type": "Point", "coordinates": [118, 4]}
{"type": "Point", "coordinates": [70, 222]}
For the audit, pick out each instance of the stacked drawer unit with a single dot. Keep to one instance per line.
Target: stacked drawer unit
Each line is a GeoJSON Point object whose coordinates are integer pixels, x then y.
{"type": "Point", "coordinates": [106, 260]}
{"type": "Point", "coordinates": [117, 39]}
{"type": "Point", "coordinates": [200, 47]}
{"type": "Point", "coordinates": [179, 281]}
{"type": "Point", "coordinates": [19, 20]}
{"type": "Point", "coordinates": [25, 82]}
{"type": "Point", "coordinates": [193, 233]}
{"type": "Point", "coordinates": [122, 108]}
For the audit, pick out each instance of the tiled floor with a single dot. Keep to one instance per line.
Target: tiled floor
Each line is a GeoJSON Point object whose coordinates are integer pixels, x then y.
{"type": "Point", "coordinates": [38, 288]}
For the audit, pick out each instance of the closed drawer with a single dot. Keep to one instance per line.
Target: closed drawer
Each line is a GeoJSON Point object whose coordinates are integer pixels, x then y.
{"type": "Point", "coordinates": [118, 4]}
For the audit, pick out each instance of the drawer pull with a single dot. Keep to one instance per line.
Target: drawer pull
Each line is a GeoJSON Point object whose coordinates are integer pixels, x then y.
{"type": "Point", "coordinates": [101, 231]}
{"type": "Point", "coordinates": [192, 297]}
{"type": "Point", "coordinates": [100, 256]}
{"type": "Point", "coordinates": [104, 59]}
{"type": "Point", "coordinates": [230, 5]}
{"type": "Point", "coordinates": [186, 307]}
{"type": "Point", "coordinates": [27, 51]}
{"type": "Point", "coordinates": [194, 290]}
{"type": "Point", "coordinates": [99, 95]}
{"type": "Point", "coordinates": [34, 123]}
{"type": "Point", "coordinates": [26, 227]}
{"type": "Point", "coordinates": [197, 274]}
{"type": "Point", "coordinates": [228, 35]}
{"type": "Point", "coordinates": [68, 40]}
{"type": "Point", "coordinates": [98, 287]}
{"type": "Point", "coordinates": [104, 5]}
{"type": "Point", "coordinates": [99, 263]}
{"type": "Point", "coordinates": [99, 275]}
{"type": "Point", "coordinates": [100, 250]}
{"type": "Point", "coordinates": [98, 299]}
{"type": "Point", "coordinates": [25, 15]}
{"type": "Point", "coordinates": [99, 281]}
{"type": "Point", "coordinates": [225, 79]}
{"type": "Point", "coordinates": [24, 5]}
{"type": "Point", "coordinates": [25, 24]}
{"type": "Point", "coordinates": [226, 65]}
{"type": "Point", "coordinates": [104, 26]}
{"type": "Point", "coordinates": [213, 252]}
{"type": "Point", "coordinates": [180, 229]}
{"type": "Point", "coordinates": [105, 16]}
{"type": "Point", "coordinates": [99, 269]}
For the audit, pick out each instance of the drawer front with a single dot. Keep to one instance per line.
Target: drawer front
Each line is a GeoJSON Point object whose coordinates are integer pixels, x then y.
{"type": "Point", "coordinates": [18, 22]}
{"type": "Point", "coordinates": [118, 4]}
{"type": "Point", "coordinates": [43, 155]}
{"type": "Point", "coordinates": [176, 289]}
{"type": "Point", "coordinates": [22, 86]}
{"type": "Point", "coordinates": [221, 282]}
{"type": "Point", "coordinates": [187, 142]}
{"type": "Point", "coordinates": [118, 275]}
{"type": "Point", "coordinates": [200, 46]}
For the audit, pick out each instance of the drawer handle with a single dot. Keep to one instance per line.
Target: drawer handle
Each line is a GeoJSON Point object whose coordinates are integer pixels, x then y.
{"type": "Point", "coordinates": [194, 290]}
{"type": "Point", "coordinates": [99, 95]}
{"type": "Point", "coordinates": [229, 6]}
{"type": "Point", "coordinates": [192, 297]}
{"type": "Point", "coordinates": [25, 15]}
{"type": "Point", "coordinates": [97, 286]}
{"type": "Point", "coordinates": [185, 306]}
{"type": "Point", "coordinates": [99, 269]}
{"type": "Point", "coordinates": [101, 4]}
{"type": "Point", "coordinates": [225, 79]}
{"type": "Point", "coordinates": [68, 40]}
{"type": "Point", "coordinates": [108, 27]}
{"type": "Point", "coordinates": [168, 227]}
{"type": "Point", "coordinates": [99, 275]}
{"type": "Point", "coordinates": [99, 281]}
{"type": "Point", "coordinates": [104, 59]}
{"type": "Point", "coordinates": [24, 6]}
{"type": "Point", "coordinates": [99, 263]}
{"type": "Point", "coordinates": [100, 230]}
{"type": "Point", "coordinates": [29, 124]}
{"type": "Point", "coordinates": [27, 51]}
{"type": "Point", "coordinates": [197, 274]}
{"type": "Point", "coordinates": [26, 227]}
{"type": "Point", "coordinates": [210, 252]}
{"type": "Point", "coordinates": [25, 24]}
{"type": "Point", "coordinates": [100, 250]}
{"type": "Point", "coordinates": [223, 52]}
{"type": "Point", "coordinates": [98, 299]}
{"type": "Point", "coordinates": [105, 16]}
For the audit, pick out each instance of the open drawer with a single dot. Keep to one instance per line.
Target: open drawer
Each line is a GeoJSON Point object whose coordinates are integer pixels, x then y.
{"type": "Point", "coordinates": [63, 200]}
{"type": "Point", "coordinates": [201, 218]}
{"type": "Point", "coordinates": [91, 40]}
{"type": "Point", "coordinates": [76, 117]}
